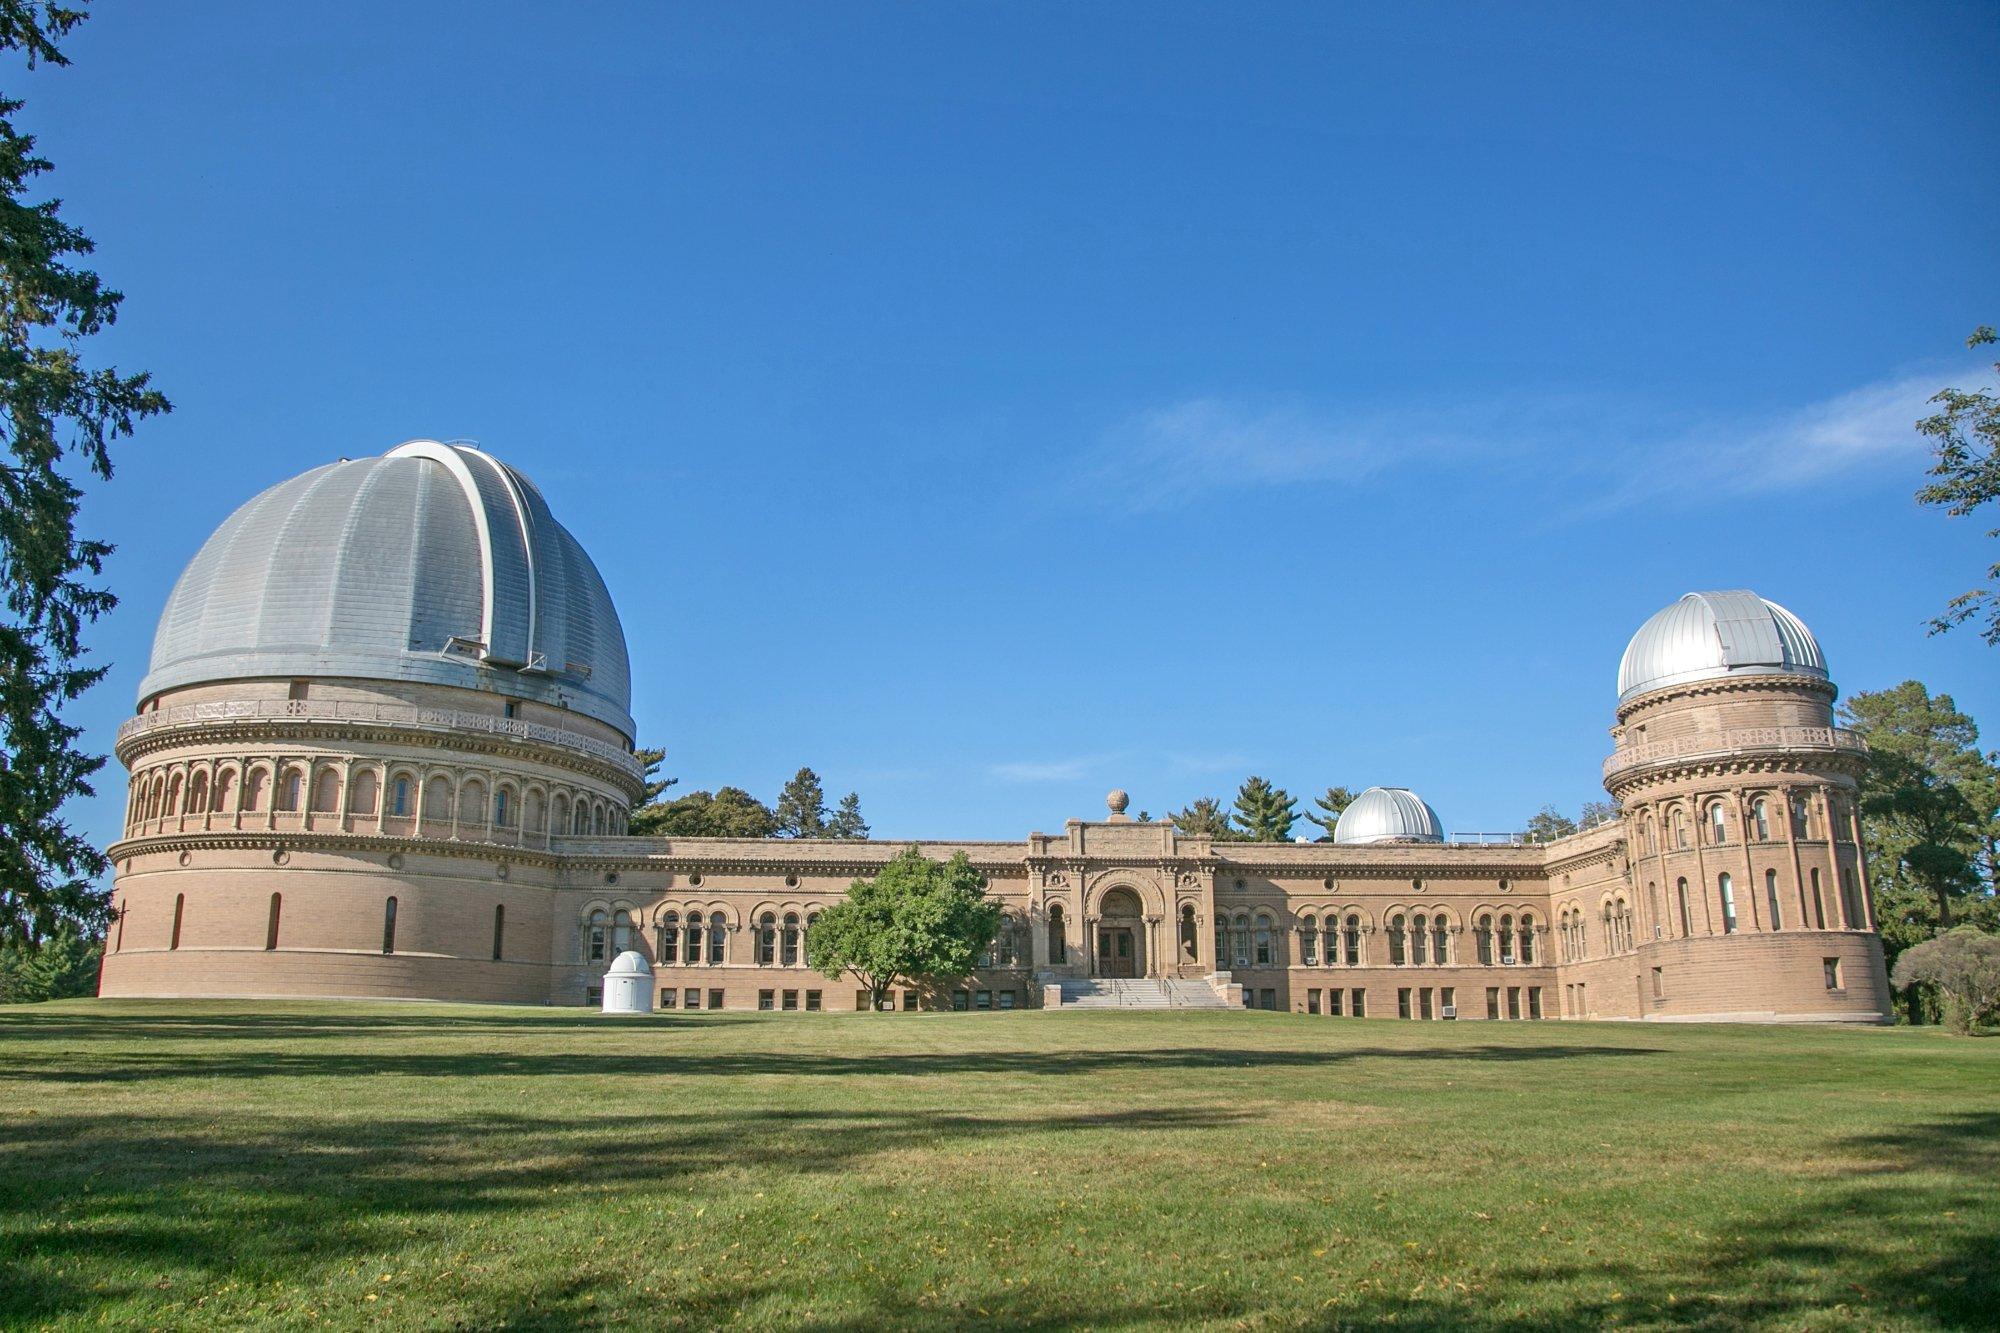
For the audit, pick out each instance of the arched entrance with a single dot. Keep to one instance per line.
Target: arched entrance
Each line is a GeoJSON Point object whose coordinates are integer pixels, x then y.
{"type": "Point", "coordinates": [1121, 936]}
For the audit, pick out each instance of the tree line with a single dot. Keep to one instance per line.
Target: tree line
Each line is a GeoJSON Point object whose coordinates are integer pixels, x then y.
{"type": "Point", "coordinates": [731, 812]}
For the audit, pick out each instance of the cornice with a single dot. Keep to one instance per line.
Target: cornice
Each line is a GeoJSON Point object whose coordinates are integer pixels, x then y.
{"type": "Point", "coordinates": [278, 840]}
{"type": "Point", "coordinates": [1762, 681]}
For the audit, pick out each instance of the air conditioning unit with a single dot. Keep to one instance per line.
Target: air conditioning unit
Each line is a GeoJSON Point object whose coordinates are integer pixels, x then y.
{"type": "Point", "coordinates": [1506, 960]}
{"type": "Point", "coordinates": [1449, 1011]}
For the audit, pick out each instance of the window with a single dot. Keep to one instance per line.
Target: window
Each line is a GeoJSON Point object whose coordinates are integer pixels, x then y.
{"type": "Point", "coordinates": [1448, 998]}
{"type": "Point", "coordinates": [400, 803]}
{"type": "Point", "coordinates": [1850, 902]}
{"type": "Point", "coordinates": [1513, 1002]}
{"type": "Point", "coordinates": [717, 939]}
{"type": "Point", "coordinates": [1687, 921]}
{"type": "Point", "coordinates": [961, 1001]}
{"type": "Point", "coordinates": [389, 926]}
{"type": "Point", "coordinates": [1771, 899]}
{"type": "Point", "coordinates": [982, 999]}
{"type": "Point", "coordinates": [1402, 1002]}
{"type": "Point", "coordinates": [695, 934]}
{"type": "Point", "coordinates": [1527, 938]}
{"type": "Point", "coordinates": [690, 998]}
{"type": "Point", "coordinates": [813, 1002]}
{"type": "Point", "coordinates": [791, 1001]}
{"type": "Point", "coordinates": [1653, 906]}
{"type": "Point", "coordinates": [715, 998]}
{"type": "Point", "coordinates": [288, 796]}
{"type": "Point", "coordinates": [1312, 1000]}
{"type": "Point", "coordinates": [1760, 820]}
{"type": "Point", "coordinates": [1397, 953]}
{"type": "Point", "coordinates": [1659, 983]}
{"type": "Point", "coordinates": [501, 815]}
{"type": "Point", "coordinates": [600, 923]}
{"type": "Point", "coordinates": [510, 709]}
{"type": "Point", "coordinates": [499, 929]}
{"type": "Point", "coordinates": [788, 951]}
{"type": "Point", "coordinates": [909, 1002]}
{"type": "Point", "coordinates": [593, 995]}
{"type": "Point", "coordinates": [1059, 936]}
{"type": "Point", "coordinates": [667, 996]}
{"type": "Point", "coordinates": [180, 909]}
{"type": "Point", "coordinates": [271, 925]}
{"type": "Point", "coordinates": [1728, 894]}
{"type": "Point", "coordinates": [1333, 999]}
{"type": "Point", "coordinates": [1190, 947]}
{"type": "Point", "coordinates": [1819, 903]}
{"type": "Point", "coordinates": [1309, 950]}
{"type": "Point", "coordinates": [1424, 1009]}
{"type": "Point", "coordinates": [1680, 830]}
{"type": "Point", "coordinates": [1242, 935]}
{"type": "Point", "coordinates": [1267, 999]}
{"type": "Point", "coordinates": [670, 939]}
{"type": "Point", "coordinates": [1506, 940]}
{"type": "Point", "coordinates": [1801, 818]}
{"type": "Point", "coordinates": [1353, 942]}
{"type": "Point", "coordinates": [1534, 1002]}
{"type": "Point", "coordinates": [767, 939]}
{"type": "Point", "coordinates": [1493, 1002]}
{"type": "Point", "coordinates": [1831, 966]}
{"type": "Point", "coordinates": [621, 932]}
{"type": "Point", "coordinates": [1718, 824]}
{"type": "Point", "coordinates": [1420, 939]}
{"type": "Point", "coordinates": [1263, 942]}
{"type": "Point", "coordinates": [1482, 939]}
{"type": "Point", "coordinates": [1439, 935]}
{"type": "Point", "coordinates": [767, 1000]}
{"type": "Point", "coordinates": [1360, 1006]}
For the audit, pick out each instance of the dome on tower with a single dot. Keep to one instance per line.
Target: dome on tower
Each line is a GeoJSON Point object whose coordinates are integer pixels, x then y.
{"type": "Point", "coordinates": [434, 563]}
{"type": "Point", "coordinates": [1388, 814]}
{"type": "Point", "coordinates": [1707, 635]}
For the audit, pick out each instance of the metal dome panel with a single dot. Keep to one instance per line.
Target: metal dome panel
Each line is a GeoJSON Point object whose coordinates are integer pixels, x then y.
{"type": "Point", "coordinates": [433, 563]}
{"type": "Point", "coordinates": [1708, 635]}
{"type": "Point", "coordinates": [1388, 814]}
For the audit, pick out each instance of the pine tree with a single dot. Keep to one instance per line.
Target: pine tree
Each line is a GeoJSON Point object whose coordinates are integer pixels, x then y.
{"type": "Point", "coordinates": [1336, 800]}
{"type": "Point", "coordinates": [648, 810]}
{"type": "Point", "coordinates": [1205, 819]}
{"type": "Point", "coordinates": [847, 821]}
{"type": "Point", "coordinates": [1264, 812]}
{"type": "Point", "coordinates": [801, 808]}
{"type": "Point", "coordinates": [53, 409]}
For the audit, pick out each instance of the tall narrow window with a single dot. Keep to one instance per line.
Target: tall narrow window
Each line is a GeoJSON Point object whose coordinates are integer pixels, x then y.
{"type": "Point", "coordinates": [271, 923]}
{"type": "Point", "coordinates": [1687, 918]}
{"type": "Point", "coordinates": [1527, 938]}
{"type": "Point", "coordinates": [1653, 906]}
{"type": "Point", "coordinates": [1850, 901]}
{"type": "Point", "coordinates": [501, 814]}
{"type": "Point", "coordinates": [400, 805]}
{"type": "Point", "coordinates": [1396, 950]}
{"type": "Point", "coordinates": [1353, 939]}
{"type": "Point", "coordinates": [1506, 940]}
{"type": "Point", "coordinates": [1221, 942]}
{"type": "Point", "coordinates": [1309, 948]}
{"type": "Point", "coordinates": [118, 912]}
{"type": "Point", "coordinates": [499, 930]}
{"type": "Point", "coordinates": [1482, 939]}
{"type": "Point", "coordinates": [717, 941]}
{"type": "Point", "coordinates": [1242, 941]}
{"type": "Point", "coordinates": [1059, 937]}
{"type": "Point", "coordinates": [1760, 819]}
{"type": "Point", "coordinates": [180, 907]}
{"type": "Point", "coordinates": [1727, 891]}
{"type": "Point", "coordinates": [1439, 935]}
{"type": "Point", "coordinates": [1718, 824]}
{"type": "Point", "coordinates": [767, 939]}
{"type": "Point", "coordinates": [1420, 939]}
{"type": "Point", "coordinates": [389, 926]}
{"type": "Point", "coordinates": [694, 938]}
{"type": "Point", "coordinates": [1263, 942]}
{"type": "Point", "coordinates": [1680, 830]}
{"type": "Point", "coordinates": [1190, 939]}
{"type": "Point", "coordinates": [600, 923]}
{"type": "Point", "coordinates": [670, 938]}
{"type": "Point", "coordinates": [1819, 903]}
{"type": "Point", "coordinates": [1771, 899]}
{"type": "Point", "coordinates": [790, 953]}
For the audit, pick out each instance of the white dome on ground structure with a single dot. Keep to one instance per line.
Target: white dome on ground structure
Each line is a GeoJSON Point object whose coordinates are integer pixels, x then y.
{"type": "Point", "coordinates": [628, 986]}
{"type": "Point", "coordinates": [1388, 814]}
{"type": "Point", "coordinates": [1709, 635]}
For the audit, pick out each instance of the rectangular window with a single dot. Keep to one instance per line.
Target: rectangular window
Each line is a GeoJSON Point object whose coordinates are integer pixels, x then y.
{"type": "Point", "coordinates": [512, 709]}
{"type": "Point", "coordinates": [1424, 1003]}
{"type": "Point", "coordinates": [1402, 1002]}
{"type": "Point", "coordinates": [691, 998]}
{"type": "Point", "coordinates": [909, 1002]}
{"type": "Point", "coordinates": [297, 690]}
{"type": "Point", "coordinates": [1832, 969]}
{"type": "Point", "coordinates": [1448, 998]}
{"type": "Point", "coordinates": [767, 1000]}
{"type": "Point", "coordinates": [1493, 1002]}
{"type": "Point", "coordinates": [667, 997]}
{"type": "Point", "coordinates": [1267, 999]}
{"type": "Point", "coordinates": [1360, 1006]}
{"type": "Point", "coordinates": [1513, 1002]}
{"type": "Point", "coordinates": [1333, 999]}
{"type": "Point", "coordinates": [812, 1002]}
{"type": "Point", "coordinates": [861, 999]}
{"type": "Point", "coordinates": [961, 1001]}
{"type": "Point", "coordinates": [983, 1000]}
{"type": "Point", "coordinates": [791, 1001]}
{"type": "Point", "coordinates": [1312, 1000]}
{"type": "Point", "coordinates": [1534, 1001]}
{"type": "Point", "coordinates": [499, 929]}
{"type": "Point", "coordinates": [715, 999]}
{"type": "Point", "coordinates": [1006, 998]}
{"type": "Point", "coordinates": [593, 995]}
{"type": "Point", "coordinates": [1659, 983]}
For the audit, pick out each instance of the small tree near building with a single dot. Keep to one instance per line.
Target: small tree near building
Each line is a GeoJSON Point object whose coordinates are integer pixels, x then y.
{"type": "Point", "coordinates": [917, 920]}
{"type": "Point", "coordinates": [1964, 965]}
{"type": "Point", "coordinates": [1331, 805]}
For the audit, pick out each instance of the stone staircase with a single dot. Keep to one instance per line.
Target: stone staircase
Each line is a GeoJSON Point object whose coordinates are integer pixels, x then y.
{"type": "Point", "coordinates": [1140, 993]}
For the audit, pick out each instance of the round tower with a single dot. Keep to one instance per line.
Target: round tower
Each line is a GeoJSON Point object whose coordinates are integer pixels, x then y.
{"type": "Point", "coordinates": [1742, 833]}
{"type": "Point", "coordinates": [378, 695]}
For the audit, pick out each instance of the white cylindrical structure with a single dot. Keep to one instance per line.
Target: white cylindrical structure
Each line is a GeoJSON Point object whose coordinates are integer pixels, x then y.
{"type": "Point", "coordinates": [628, 986]}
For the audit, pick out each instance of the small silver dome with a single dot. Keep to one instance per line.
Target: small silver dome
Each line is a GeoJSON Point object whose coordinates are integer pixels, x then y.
{"type": "Point", "coordinates": [1707, 635]}
{"type": "Point", "coordinates": [631, 963]}
{"type": "Point", "coordinates": [434, 563]}
{"type": "Point", "coordinates": [1388, 814]}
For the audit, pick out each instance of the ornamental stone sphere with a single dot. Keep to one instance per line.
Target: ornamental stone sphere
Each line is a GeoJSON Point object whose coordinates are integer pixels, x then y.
{"type": "Point", "coordinates": [1117, 800]}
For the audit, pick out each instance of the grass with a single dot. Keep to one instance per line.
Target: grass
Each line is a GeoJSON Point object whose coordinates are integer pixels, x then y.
{"type": "Point", "coordinates": [219, 1164]}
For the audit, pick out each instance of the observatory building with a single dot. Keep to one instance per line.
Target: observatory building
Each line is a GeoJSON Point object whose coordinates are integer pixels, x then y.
{"type": "Point", "coordinates": [384, 749]}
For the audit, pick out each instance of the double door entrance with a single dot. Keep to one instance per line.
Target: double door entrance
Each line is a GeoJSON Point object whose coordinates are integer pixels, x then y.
{"type": "Point", "coordinates": [1117, 951]}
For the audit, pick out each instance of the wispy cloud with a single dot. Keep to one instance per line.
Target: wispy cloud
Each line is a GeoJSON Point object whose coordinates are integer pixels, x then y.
{"type": "Point", "coordinates": [1615, 451]}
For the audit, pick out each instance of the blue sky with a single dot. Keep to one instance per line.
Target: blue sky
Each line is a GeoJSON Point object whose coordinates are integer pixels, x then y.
{"type": "Point", "coordinates": [988, 405]}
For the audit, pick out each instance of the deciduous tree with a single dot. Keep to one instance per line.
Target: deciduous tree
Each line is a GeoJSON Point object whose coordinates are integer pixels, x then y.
{"type": "Point", "coordinates": [1548, 824]}
{"type": "Point", "coordinates": [917, 920]}
{"type": "Point", "coordinates": [1964, 965]}
{"type": "Point", "coordinates": [57, 412]}
{"type": "Point", "coordinates": [729, 812]}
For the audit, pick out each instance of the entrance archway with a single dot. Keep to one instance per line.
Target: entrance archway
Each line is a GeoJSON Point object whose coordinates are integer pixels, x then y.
{"type": "Point", "coordinates": [1121, 936]}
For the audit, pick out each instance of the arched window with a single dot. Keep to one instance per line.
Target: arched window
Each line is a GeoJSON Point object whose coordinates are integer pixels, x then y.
{"type": "Point", "coordinates": [1243, 941]}
{"type": "Point", "coordinates": [1190, 941]}
{"type": "Point", "coordinates": [1506, 939]}
{"type": "Point", "coordinates": [225, 789]}
{"type": "Point", "coordinates": [437, 800]}
{"type": "Point", "coordinates": [1263, 942]}
{"type": "Point", "coordinates": [600, 924]}
{"type": "Point", "coordinates": [670, 938]}
{"type": "Point", "coordinates": [789, 944]}
{"type": "Point", "coordinates": [1801, 818]}
{"type": "Point", "coordinates": [361, 801]}
{"type": "Point", "coordinates": [579, 822]}
{"type": "Point", "coordinates": [289, 792]}
{"type": "Point", "coordinates": [767, 939]}
{"type": "Point", "coordinates": [253, 790]}
{"type": "Point", "coordinates": [1482, 938]}
{"type": "Point", "coordinates": [389, 926]}
{"type": "Point", "coordinates": [1397, 952]}
{"type": "Point", "coordinates": [1771, 900]}
{"type": "Point", "coordinates": [1727, 891]}
{"type": "Point", "coordinates": [499, 929]}
{"type": "Point", "coordinates": [1221, 941]}
{"type": "Point", "coordinates": [1420, 939]}
{"type": "Point", "coordinates": [198, 794]}
{"type": "Point", "coordinates": [173, 806]}
{"type": "Point", "coordinates": [399, 804]}
{"type": "Point", "coordinates": [472, 802]}
{"type": "Point", "coordinates": [326, 792]}
{"type": "Point", "coordinates": [1059, 936]}
{"type": "Point", "coordinates": [1653, 905]}
{"type": "Point", "coordinates": [1850, 901]}
{"type": "Point", "coordinates": [1440, 935]}
{"type": "Point", "coordinates": [1309, 940]}
{"type": "Point", "coordinates": [503, 814]}
{"type": "Point", "coordinates": [271, 923]}
{"type": "Point", "coordinates": [1818, 903]}
{"type": "Point", "coordinates": [695, 934]}
{"type": "Point", "coordinates": [1611, 929]}
{"type": "Point", "coordinates": [180, 909]}
{"type": "Point", "coordinates": [621, 933]}
{"type": "Point", "coordinates": [1527, 938]}
{"type": "Point", "coordinates": [1760, 819]}
{"type": "Point", "coordinates": [1006, 953]}
{"type": "Point", "coordinates": [1718, 824]}
{"type": "Point", "coordinates": [718, 940]}
{"type": "Point", "coordinates": [532, 809]}
{"type": "Point", "coordinates": [1680, 829]}
{"type": "Point", "coordinates": [1353, 940]}
{"type": "Point", "coordinates": [1687, 918]}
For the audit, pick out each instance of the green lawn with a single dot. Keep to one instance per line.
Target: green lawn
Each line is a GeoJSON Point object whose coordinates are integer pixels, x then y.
{"type": "Point", "coordinates": [218, 1164]}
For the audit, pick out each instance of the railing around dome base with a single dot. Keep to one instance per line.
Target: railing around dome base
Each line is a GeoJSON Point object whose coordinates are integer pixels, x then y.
{"type": "Point", "coordinates": [1733, 742]}
{"type": "Point", "coordinates": [224, 712]}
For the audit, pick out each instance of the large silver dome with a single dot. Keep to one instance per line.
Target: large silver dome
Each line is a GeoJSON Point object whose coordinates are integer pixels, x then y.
{"type": "Point", "coordinates": [434, 563]}
{"type": "Point", "coordinates": [1388, 814]}
{"type": "Point", "coordinates": [1706, 635]}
